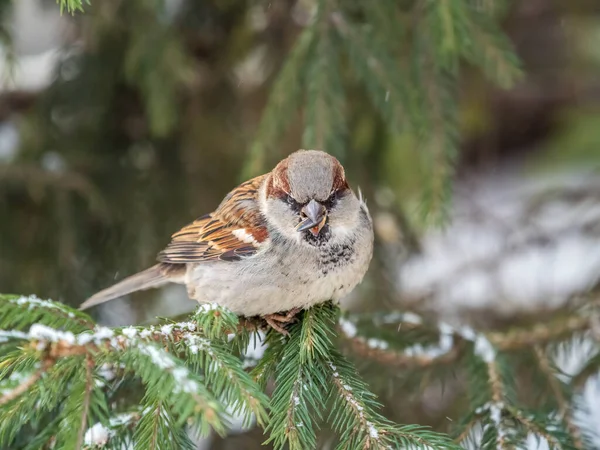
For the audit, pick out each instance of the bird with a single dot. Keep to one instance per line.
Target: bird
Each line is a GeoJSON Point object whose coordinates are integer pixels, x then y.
{"type": "Point", "coordinates": [277, 244]}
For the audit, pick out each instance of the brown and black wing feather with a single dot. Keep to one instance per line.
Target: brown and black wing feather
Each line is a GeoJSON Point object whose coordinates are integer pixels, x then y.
{"type": "Point", "coordinates": [235, 230]}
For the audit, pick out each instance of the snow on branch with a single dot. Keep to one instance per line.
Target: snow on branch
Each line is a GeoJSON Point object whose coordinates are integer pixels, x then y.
{"type": "Point", "coordinates": [310, 373]}
{"type": "Point", "coordinates": [82, 369]}
{"type": "Point", "coordinates": [18, 310]}
{"type": "Point", "coordinates": [451, 340]}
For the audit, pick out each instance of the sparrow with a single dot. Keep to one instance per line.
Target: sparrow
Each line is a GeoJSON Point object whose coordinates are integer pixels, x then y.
{"type": "Point", "coordinates": [277, 244]}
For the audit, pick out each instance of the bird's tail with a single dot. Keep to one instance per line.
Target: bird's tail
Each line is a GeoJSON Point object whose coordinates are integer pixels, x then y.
{"type": "Point", "coordinates": [153, 277]}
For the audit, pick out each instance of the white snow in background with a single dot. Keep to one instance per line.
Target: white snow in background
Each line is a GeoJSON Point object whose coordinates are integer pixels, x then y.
{"type": "Point", "coordinates": [53, 162]}
{"type": "Point", "coordinates": [9, 141]}
{"type": "Point", "coordinates": [406, 318]}
{"type": "Point", "coordinates": [253, 70]}
{"type": "Point", "coordinates": [536, 443]}
{"type": "Point", "coordinates": [484, 349]}
{"type": "Point", "coordinates": [445, 344]}
{"type": "Point", "coordinates": [570, 359]}
{"type": "Point", "coordinates": [256, 348]}
{"type": "Point", "coordinates": [513, 246]}
{"type": "Point", "coordinates": [31, 72]}
{"type": "Point", "coordinates": [97, 435]}
{"type": "Point", "coordinates": [377, 343]}
{"type": "Point", "coordinates": [516, 245]}
{"type": "Point", "coordinates": [348, 328]}
{"type": "Point", "coordinates": [5, 335]}
{"type": "Point", "coordinates": [206, 307]}
{"type": "Point", "coordinates": [106, 372]}
{"type": "Point", "coordinates": [236, 421]}
{"type": "Point", "coordinates": [253, 353]}
{"type": "Point", "coordinates": [587, 409]}
{"type": "Point", "coordinates": [37, 32]}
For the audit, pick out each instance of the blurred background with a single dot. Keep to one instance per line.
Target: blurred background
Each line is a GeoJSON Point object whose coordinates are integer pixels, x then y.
{"type": "Point", "coordinates": [120, 125]}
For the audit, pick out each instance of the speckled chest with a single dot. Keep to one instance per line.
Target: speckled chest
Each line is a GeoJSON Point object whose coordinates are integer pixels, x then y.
{"type": "Point", "coordinates": [335, 256]}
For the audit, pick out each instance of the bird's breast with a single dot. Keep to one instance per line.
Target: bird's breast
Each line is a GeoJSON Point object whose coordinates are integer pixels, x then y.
{"type": "Point", "coordinates": [281, 277]}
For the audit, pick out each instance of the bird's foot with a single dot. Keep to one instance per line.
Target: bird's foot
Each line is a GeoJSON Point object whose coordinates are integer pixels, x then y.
{"type": "Point", "coordinates": [278, 321]}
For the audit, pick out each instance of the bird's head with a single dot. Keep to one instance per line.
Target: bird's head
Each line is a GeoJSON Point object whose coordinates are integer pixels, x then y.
{"type": "Point", "coordinates": [307, 198]}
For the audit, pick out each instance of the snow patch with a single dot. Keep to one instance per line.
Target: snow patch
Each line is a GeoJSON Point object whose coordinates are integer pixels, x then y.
{"type": "Point", "coordinates": [348, 328]}
{"type": "Point", "coordinates": [206, 307]}
{"type": "Point", "coordinates": [98, 435]}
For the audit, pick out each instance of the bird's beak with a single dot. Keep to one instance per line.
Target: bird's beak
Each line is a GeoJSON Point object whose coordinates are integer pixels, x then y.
{"type": "Point", "coordinates": [316, 216]}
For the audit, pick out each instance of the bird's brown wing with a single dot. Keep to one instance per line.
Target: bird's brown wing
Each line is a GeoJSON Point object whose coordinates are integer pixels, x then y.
{"type": "Point", "coordinates": [236, 229]}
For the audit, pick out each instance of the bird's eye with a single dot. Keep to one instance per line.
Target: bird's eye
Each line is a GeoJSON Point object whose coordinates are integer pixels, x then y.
{"type": "Point", "coordinates": [331, 200]}
{"type": "Point", "coordinates": [292, 202]}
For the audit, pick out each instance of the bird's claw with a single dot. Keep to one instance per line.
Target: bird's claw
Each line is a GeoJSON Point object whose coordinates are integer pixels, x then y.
{"type": "Point", "coordinates": [278, 321]}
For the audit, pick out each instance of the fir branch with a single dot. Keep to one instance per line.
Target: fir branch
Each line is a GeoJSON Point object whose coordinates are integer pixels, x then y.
{"type": "Point", "coordinates": [559, 394]}
{"type": "Point", "coordinates": [298, 398]}
{"type": "Point", "coordinates": [446, 351]}
{"type": "Point", "coordinates": [181, 389]}
{"type": "Point", "coordinates": [83, 403]}
{"type": "Point", "coordinates": [536, 428]}
{"type": "Point", "coordinates": [446, 21]}
{"type": "Point", "coordinates": [392, 358]}
{"type": "Point", "coordinates": [267, 366]}
{"type": "Point", "coordinates": [118, 431]}
{"type": "Point", "coordinates": [589, 369]}
{"type": "Point", "coordinates": [438, 132]}
{"type": "Point", "coordinates": [325, 124]}
{"type": "Point", "coordinates": [89, 380]}
{"type": "Point", "coordinates": [539, 333]}
{"type": "Point", "coordinates": [467, 428]}
{"type": "Point", "coordinates": [309, 363]}
{"type": "Point", "coordinates": [20, 312]}
{"type": "Point", "coordinates": [216, 322]}
{"type": "Point", "coordinates": [226, 376]}
{"type": "Point", "coordinates": [380, 73]}
{"type": "Point", "coordinates": [157, 429]}
{"type": "Point", "coordinates": [71, 6]}
{"type": "Point", "coordinates": [26, 384]}
{"type": "Point", "coordinates": [360, 432]}
{"type": "Point", "coordinates": [42, 401]}
{"type": "Point", "coordinates": [156, 62]}
{"type": "Point", "coordinates": [384, 19]}
{"type": "Point", "coordinates": [500, 405]}
{"type": "Point", "coordinates": [284, 100]}
{"type": "Point", "coordinates": [181, 394]}
{"type": "Point", "coordinates": [490, 49]}
{"type": "Point", "coordinates": [513, 339]}
{"type": "Point", "coordinates": [202, 343]}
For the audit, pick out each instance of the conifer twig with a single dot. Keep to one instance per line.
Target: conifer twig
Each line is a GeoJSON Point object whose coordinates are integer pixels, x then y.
{"type": "Point", "coordinates": [510, 340]}
{"type": "Point", "coordinates": [27, 383]}
{"type": "Point", "coordinates": [497, 406]}
{"type": "Point", "coordinates": [396, 358]}
{"type": "Point", "coordinates": [89, 380]}
{"type": "Point", "coordinates": [533, 427]}
{"type": "Point", "coordinates": [557, 390]}
{"type": "Point", "coordinates": [373, 433]}
{"type": "Point", "coordinates": [467, 429]}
